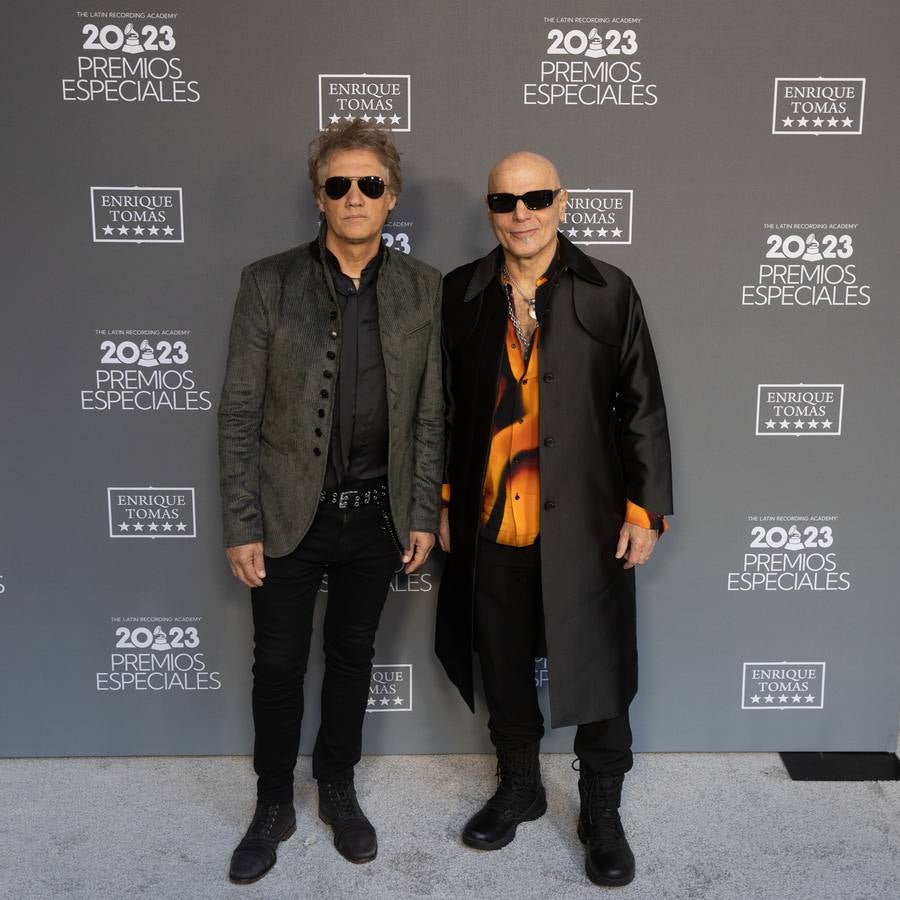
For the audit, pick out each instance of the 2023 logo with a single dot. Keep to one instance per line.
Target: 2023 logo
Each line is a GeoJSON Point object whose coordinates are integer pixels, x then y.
{"type": "Point", "coordinates": [776, 537]}
{"type": "Point", "coordinates": [593, 45]}
{"type": "Point", "coordinates": [128, 353]}
{"type": "Point", "coordinates": [128, 39]}
{"type": "Point", "coordinates": [141, 638]}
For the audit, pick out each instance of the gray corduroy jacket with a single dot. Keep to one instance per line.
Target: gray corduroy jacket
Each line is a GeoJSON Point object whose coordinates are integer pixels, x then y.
{"type": "Point", "coordinates": [275, 417]}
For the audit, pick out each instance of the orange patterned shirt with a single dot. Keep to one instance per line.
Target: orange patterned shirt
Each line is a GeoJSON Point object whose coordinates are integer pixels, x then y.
{"type": "Point", "coordinates": [511, 496]}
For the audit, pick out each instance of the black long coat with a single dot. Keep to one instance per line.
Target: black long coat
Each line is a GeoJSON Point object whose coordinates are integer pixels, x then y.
{"type": "Point", "coordinates": [604, 438]}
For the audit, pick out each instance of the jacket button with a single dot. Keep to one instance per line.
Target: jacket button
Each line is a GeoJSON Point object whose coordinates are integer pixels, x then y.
{"type": "Point", "coordinates": [323, 393]}
{"type": "Point", "coordinates": [330, 354]}
{"type": "Point", "coordinates": [548, 376]}
{"type": "Point", "coordinates": [549, 442]}
{"type": "Point", "coordinates": [550, 504]}
{"type": "Point", "coordinates": [321, 413]}
{"type": "Point", "coordinates": [318, 432]}
{"type": "Point", "coordinates": [327, 373]}
{"type": "Point", "coordinates": [332, 334]}
{"type": "Point", "coordinates": [317, 451]}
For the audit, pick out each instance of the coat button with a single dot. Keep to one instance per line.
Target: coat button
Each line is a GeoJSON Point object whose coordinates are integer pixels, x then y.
{"type": "Point", "coordinates": [549, 442]}
{"type": "Point", "coordinates": [317, 451]}
{"type": "Point", "coordinates": [332, 334]}
{"type": "Point", "coordinates": [318, 432]}
{"type": "Point", "coordinates": [323, 393]}
{"type": "Point", "coordinates": [548, 377]}
{"type": "Point", "coordinates": [321, 413]}
{"type": "Point", "coordinates": [550, 504]}
{"type": "Point", "coordinates": [328, 373]}
{"type": "Point", "coordinates": [330, 354]}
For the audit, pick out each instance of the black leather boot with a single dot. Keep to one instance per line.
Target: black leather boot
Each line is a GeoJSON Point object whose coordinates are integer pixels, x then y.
{"type": "Point", "coordinates": [519, 798]}
{"type": "Point", "coordinates": [255, 854]}
{"type": "Point", "coordinates": [609, 860]}
{"type": "Point", "coordinates": [354, 836]}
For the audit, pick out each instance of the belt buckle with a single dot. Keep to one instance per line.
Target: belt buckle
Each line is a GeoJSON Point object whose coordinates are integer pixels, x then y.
{"type": "Point", "coordinates": [344, 498]}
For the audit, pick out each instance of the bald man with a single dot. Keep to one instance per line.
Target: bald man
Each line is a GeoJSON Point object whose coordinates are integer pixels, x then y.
{"type": "Point", "coordinates": [557, 482]}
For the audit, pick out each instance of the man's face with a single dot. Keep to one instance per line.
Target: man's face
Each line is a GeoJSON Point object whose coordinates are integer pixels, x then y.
{"type": "Point", "coordinates": [355, 218]}
{"type": "Point", "coordinates": [526, 233]}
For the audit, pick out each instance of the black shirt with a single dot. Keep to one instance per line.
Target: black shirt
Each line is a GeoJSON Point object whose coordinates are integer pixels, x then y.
{"type": "Point", "coordinates": [359, 427]}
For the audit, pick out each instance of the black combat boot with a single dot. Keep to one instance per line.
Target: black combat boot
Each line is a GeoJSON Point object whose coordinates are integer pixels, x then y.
{"type": "Point", "coordinates": [609, 860]}
{"type": "Point", "coordinates": [519, 798]}
{"type": "Point", "coordinates": [255, 854]}
{"type": "Point", "coordinates": [354, 836]}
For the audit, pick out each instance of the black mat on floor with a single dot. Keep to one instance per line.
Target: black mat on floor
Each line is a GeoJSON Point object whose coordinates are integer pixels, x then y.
{"type": "Point", "coordinates": [842, 766]}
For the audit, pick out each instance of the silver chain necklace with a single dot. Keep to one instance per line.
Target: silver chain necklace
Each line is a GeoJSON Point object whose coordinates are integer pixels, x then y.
{"type": "Point", "coordinates": [530, 301]}
{"type": "Point", "coordinates": [523, 340]}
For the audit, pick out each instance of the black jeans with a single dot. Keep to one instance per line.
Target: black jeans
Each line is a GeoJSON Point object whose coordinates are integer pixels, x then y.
{"type": "Point", "coordinates": [509, 634]}
{"type": "Point", "coordinates": [354, 547]}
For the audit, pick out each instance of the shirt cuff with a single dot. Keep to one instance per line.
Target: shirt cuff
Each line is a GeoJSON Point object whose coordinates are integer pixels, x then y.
{"type": "Point", "coordinates": [637, 515]}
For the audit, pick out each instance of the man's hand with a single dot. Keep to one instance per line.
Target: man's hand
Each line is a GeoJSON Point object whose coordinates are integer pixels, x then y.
{"type": "Point", "coordinates": [444, 529]}
{"type": "Point", "coordinates": [246, 561]}
{"type": "Point", "coordinates": [635, 544]}
{"type": "Point", "coordinates": [420, 544]}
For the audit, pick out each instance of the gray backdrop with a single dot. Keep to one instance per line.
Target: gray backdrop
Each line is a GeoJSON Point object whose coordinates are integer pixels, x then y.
{"type": "Point", "coordinates": [736, 159]}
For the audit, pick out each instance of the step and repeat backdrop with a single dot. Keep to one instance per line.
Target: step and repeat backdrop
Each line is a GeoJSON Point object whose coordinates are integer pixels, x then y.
{"type": "Point", "coordinates": [739, 160]}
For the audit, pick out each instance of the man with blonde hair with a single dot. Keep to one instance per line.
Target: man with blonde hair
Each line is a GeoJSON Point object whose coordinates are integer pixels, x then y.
{"type": "Point", "coordinates": [330, 447]}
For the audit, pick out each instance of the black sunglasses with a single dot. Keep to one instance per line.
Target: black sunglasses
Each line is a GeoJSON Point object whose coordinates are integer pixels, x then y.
{"type": "Point", "coordinates": [338, 185]}
{"type": "Point", "coordinates": [504, 203]}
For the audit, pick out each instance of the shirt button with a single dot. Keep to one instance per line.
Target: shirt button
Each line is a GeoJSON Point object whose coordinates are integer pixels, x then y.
{"type": "Point", "coordinates": [323, 393]}
{"type": "Point", "coordinates": [524, 381]}
{"type": "Point", "coordinates": [317, 451]}
{"type": "Point", "coordinates": [549, 442]}
{"type": "Point", "coordinates": [549, 376]}
{"type": "Point", "coordinates": [550, 504]}
{"type": "Point", "coordinates": [318, 432]}
{"type": "Point", "coordinates": [328, 373]}
{"type": "Point", "coordinates": [330, 354]}
{"type": "Point", "coordinates": [321, 413]}
{"type": "Point", "coordinates": [521, 421]}
{"type": "Point", "coordinates": [517, 459]}
{"type": "Point", "coordinates": [514, 346]}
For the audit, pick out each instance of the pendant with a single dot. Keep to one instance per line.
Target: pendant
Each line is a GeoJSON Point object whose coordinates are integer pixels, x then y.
{"type": "Point", "coordinates": [532, 312]}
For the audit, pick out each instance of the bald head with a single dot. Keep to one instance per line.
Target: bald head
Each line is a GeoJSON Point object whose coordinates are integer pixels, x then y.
{"type": "Point", "coordinates": [522, 166]}
{"type": "Point", "coordinates": [527, 234]}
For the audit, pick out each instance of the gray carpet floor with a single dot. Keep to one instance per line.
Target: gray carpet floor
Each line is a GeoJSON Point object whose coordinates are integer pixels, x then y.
{"type": "Point", "coordinates": [701, 825]}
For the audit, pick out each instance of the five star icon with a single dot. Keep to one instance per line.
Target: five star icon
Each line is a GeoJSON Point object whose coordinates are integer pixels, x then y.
{"type": "Point", "coordinates": [817, 122]}
{"type": "Point", "coordinates": [802, 122]}
{"type": "Point", "coordinates": [395, 120]}
{"type": "Point", "coordinates": [572, 232]}
{"type": "Point", "coordinates": [770, 424]}
{"type": "Point", "coordinates": [107, 229]}
{"type": "Point", "coordinates": [379, 119]}
{"type": "Point", "coordinates": [787, 122]}
{"type": "Point", "coordinates": [847, 122]}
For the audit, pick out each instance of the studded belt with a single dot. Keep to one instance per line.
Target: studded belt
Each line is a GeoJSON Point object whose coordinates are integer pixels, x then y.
{"type": "Point", "coordinates": [375, 492]}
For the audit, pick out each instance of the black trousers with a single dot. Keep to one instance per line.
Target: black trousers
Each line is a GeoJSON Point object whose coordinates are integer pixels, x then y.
{"type": "Point", "coordinates": [509, 634]}
{"type": "Point", "coordinates": [356, 550]}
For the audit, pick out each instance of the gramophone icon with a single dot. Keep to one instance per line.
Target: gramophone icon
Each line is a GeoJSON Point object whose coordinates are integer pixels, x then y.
{"type": "Point", "coordinates": [159, 640]}
{"type": "Point", "coordinates": [795, 542]}
{"type": "Point", "coordinates": [812, 254]}
{"type": "Point", "coordinates": [148, 359]}
{"type": "Point", "coordinates": [132, 41]}
{"type": "Point", "coordinates": [595, 44]}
